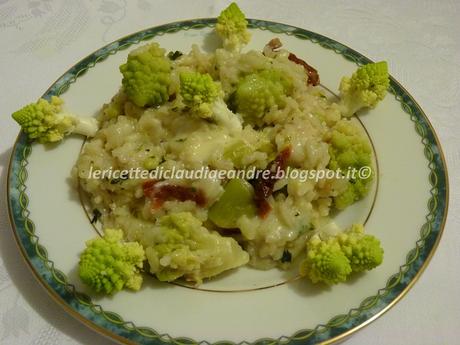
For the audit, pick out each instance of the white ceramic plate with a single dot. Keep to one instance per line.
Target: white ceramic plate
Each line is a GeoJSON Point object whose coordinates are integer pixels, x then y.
{"type": "Point", "coordinates": [408, 215]}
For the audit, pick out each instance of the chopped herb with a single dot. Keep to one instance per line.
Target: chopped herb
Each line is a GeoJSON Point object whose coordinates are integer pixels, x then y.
{"type": "Point", "coordinates": [120, 179]}
{"type": "Point", "coordinates": [96, 215]}
{"type": "Point", "coordinates": [210, 120]}
{"type": "Point", "coordinates": [287, 256]}
{"type": "Point", "coordinates": [306, 227]}
{"type": "Point", "coordinates": [283, 191]}
{"type": "Point", "coordinates": [174, 55]}
{"type": "Point", "coordinates": [231, 103]}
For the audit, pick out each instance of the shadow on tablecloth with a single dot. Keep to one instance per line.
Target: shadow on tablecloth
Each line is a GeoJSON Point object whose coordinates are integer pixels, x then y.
{"type": "Point", "coordinates": [24, 292]}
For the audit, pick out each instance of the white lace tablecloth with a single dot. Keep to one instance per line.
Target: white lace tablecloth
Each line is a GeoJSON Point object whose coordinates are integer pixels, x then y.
{"type": "Point", "coordinates": [40, 39]}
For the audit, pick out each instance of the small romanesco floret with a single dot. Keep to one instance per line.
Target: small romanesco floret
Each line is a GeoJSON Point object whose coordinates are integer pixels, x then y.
{"type": "Point", "coordinates": [115, 108]}
{"type": "Point", "coordinates": [232, 28]}
{"type": "Point", "coordinates": [239, 149]}
{"type": "Point", "coordinates": [331, 260]}
{"type": "Point", "coordinates": [45, 122]}
{"type": "Point", "coordinates": [147, 75]}
{"type": "Point", "coordinates": [108, 264]}
{"type": "Point", "coordinates": [256, 93]}
{"type": "Point", "coordinates": [198, 91]}
{"type": "Point", "coordinates": [325, 262]}
{"type": "Point", "coordinates": [349, 149]}
{"type": "Point", "coordinates": [363, 251]}
{"type": "Point", "coordinates": [184, 248]}
{"type": "Point", "coordinates": [204, 97]}
{"type": "Point", "coordinates": [364, 89]}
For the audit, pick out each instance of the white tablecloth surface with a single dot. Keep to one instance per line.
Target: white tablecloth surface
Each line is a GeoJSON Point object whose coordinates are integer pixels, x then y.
{"type": "Point", "coordinates": [40, 39]}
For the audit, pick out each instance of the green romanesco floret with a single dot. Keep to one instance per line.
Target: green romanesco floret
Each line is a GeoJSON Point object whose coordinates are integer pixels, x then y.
{"type": "Point", "coordinates": [364, 89]}
{"type": "Point", "coordinates": [114, 108]}
{"type": "Point", "coordinates": [45, 121]}
{"type": "Point", "coordinates": [349, 149]}
{"type": "Point", "coordinates": [239, 149]}
{"type": "Point", "coordinates": [256, 93]}
{"type": "Point", "coordinates": [184, 248]}
{"type": "Point", "coordinates": [198, 91]}
{"type": "Point", "coordinates": [108, 264]}
{"type": "Point", "coordinates": [232, 28]}
{"type": "Point", "coordinates": [147, 75]}
{"type": "Point", "coordinates": [325, 262]}
{"type": "Point", "coordinates": [331, 259]}
{"type": "Point", "coordinates": [205, 98]}
{"type": "Point", "coordinates": [363, 251]}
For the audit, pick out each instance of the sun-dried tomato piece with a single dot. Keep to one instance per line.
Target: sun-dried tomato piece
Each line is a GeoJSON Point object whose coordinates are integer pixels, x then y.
{"type": "Point", "coordinates": [263, 187]}
{"type": "Point", "coordinates": [312, 74]}
{"type": "Point", "coordinates": [159, 194]}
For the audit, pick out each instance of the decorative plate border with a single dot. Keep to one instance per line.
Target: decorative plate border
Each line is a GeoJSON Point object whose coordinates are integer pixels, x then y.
{"type": "Point", "coordinates": [111, 324]}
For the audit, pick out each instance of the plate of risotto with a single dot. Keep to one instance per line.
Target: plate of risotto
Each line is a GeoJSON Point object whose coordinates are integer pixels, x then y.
{"type": "Point", "coordinates": [227, 180]}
